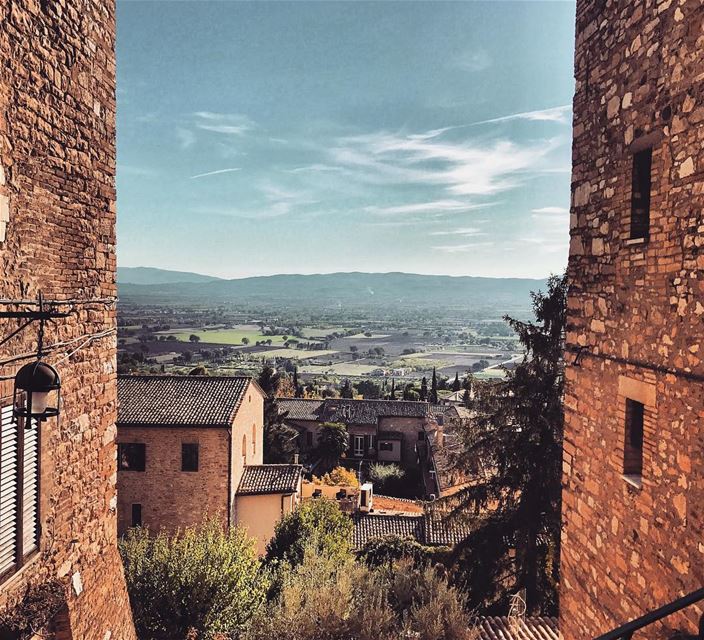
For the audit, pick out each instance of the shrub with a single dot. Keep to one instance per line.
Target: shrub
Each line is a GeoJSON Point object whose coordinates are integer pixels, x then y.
{"type": "Point", "coordinates": [201, 580]}
{"type": "Point", "coordinates": [340, 476]}
{"type": "Point", "coordinates": [318, 525]}
{"type": "Point", "coordinates": [387, 478]}
{"type": "Point", "coordinates": [332, 442]}
{"type": "Point", "coordinates": [388, 549]}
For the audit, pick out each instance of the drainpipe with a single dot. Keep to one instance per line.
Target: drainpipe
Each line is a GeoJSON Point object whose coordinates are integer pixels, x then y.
{"type": "Point", "coordinates": [229, 478]}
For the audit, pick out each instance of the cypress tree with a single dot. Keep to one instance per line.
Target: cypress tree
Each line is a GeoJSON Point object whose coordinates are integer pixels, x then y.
{"type": "Point", "coordinates": [424, 389]}
{"type": "Point", "coordinates": [433, 399]}
{"type": "Point", "coordinates": [456, 385]}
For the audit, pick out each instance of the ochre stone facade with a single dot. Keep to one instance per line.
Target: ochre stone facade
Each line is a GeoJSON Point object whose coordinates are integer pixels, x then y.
{"type": "Point", "coordinates": [57, 235]}
{"type": "Point", "coordinates": [635, 328]}
{"type": "Point", "coordinates": [171, 498]}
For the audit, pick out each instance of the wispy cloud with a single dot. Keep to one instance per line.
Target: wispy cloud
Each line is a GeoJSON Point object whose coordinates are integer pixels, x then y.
{"type": "Point", "coordinates": [463, 231]}
{"type": "Point", "coordinates": [437, 206]}
{"type": "Point", "coordinates": [235, 124]}
{"type": "Point", "coordinates": [473, 61]}
{"type": "Point", "coordinates": [550, 211]}
{"type": "Point", "coordinates": [186, 138]}
{"type": "Point", "coordinates": [463, 248]}
{"type": "Point", "coordinates": [215, 173]}
{"type": "Point", "coordinates": [553, 114]}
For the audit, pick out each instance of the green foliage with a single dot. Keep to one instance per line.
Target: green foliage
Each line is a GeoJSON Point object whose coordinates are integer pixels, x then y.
{"type": "Point", "coordinates": [322, 599]}
{"type": "Point", "coordinates": [424, 389]}
{"type": "Point", "coordinates": [517, 433]}
{"type": "Point", "coordinates": [368, 389]}
{"type": "Point", "coordinates": [280, 440]}
{"type": "Point", "coordinates": [387, 478]}
{"type": "Point", "coordinates": [202, 580]}
{"type": "Point", "coordinates": [388, 549]}
{"type": "Point", "coordinates": [410, 393]}
{"type": "Point", "coordinates": [333, 441]}
{"type": "Point", "coordinates": [456, 385]}
{"type": "Point", "coordinates": [346, 389]}
{"type": "Point", "coordinates": [317, 525]}
{"type": "Point", "coordinates": [433, 397]}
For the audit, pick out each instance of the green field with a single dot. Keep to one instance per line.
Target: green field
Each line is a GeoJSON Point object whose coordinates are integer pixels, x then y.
{"type": "Point", "coordinates": [341, 369]}
{"type": "Point", "coordinates": [317, 332]}
{"type": "Point", "coordinates": [224, 336]}
{"type": "Point", "coordinates": [294, 354]}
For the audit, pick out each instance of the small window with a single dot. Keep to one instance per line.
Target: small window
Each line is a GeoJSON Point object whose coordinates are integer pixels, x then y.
{"type": "Point", "coordinates": [189, 457]}
{"type": "Point", "coordinates": [633, 446]}
{"type": "Point", "coordinates": [640, 194]}
{"type": "Point", "coordinates": [386, 446]}
{"type": "Point", "coordinates": [254, 439]}
{"type": "Point", "coordinates": [136, 515]}
{"type": "Point", "coordinates": [244, 449]}
{"type": "Point", "coordinates": [131, 456]}
{"type": "Point", "coordinates": [421, 436]}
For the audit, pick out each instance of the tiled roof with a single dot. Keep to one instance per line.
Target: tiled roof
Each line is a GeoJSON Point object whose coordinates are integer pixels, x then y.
{"type": "Point", "coordinates": [300, 409]}
{"type": "Point", "coordinates": [179, 400]}
{"type": "Point", "coordinates": [352, 411]}
{"type": "Point", "coordinates": [428, 529]}
{"type": "Point", "coordinates": [270, 478]}
{"type": "Point", "coordinates": [502, 628]}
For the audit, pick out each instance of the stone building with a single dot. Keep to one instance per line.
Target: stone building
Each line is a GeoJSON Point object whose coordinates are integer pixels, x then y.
{"type": "Point", "coordinates": [190, 448]}
{"type": "Point", "coordinates": [634, 401]}
{"type": "Point", "coordinates": [57, 236]}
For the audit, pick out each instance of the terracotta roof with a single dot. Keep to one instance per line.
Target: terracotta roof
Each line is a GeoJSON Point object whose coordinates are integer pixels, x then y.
{"type": "Point", "coordinates": [428, 528]}
{"type": "Point", "coordinates": [502, 628]}
{"type": "Point", "coordinates": [270, 478]}
{"type": "Point", "coordinates": [369, 411]}
{"type": "Point", "coordinates": [197, 401]}
{"type": "Point", "coordinates": [300, 408]}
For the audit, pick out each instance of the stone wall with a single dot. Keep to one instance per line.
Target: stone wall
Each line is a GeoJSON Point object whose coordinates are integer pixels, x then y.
{"type": "Point", "coordinates": [635, 318]}
{"type": "Point", "coordinates": [57, 235]}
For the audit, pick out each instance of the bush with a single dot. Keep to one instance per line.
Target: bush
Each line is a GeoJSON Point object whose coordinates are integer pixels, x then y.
{"type": "Point", "coordinates": [201, 581]}
{"type": "Point", "coordinates": [317, 525]}
{"type": "Point", "coordinates": [322, 599]}
{"type": "Point", "coordinates": [388, 549]}
{"type": "Point", "coordinates": [387, 478]}
{"type": "Point", "coordinates": [339, 476]}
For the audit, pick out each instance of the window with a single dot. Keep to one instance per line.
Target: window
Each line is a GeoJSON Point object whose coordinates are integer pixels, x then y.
{"type": "Point", "coordinates": [358, 450]}
{"type": "Point", "coordinates": [189, 457]}
{"type": "Point", "coordinates": [131, 456]}
{"type": "Point", "coordinates": [244, 449]}
{"type": "Point", "coordinates": [19, 492]}
{"type": "Point", "coordinates": [421, 436]}
{"type": "Point", "coordinates": [633, 446]}
{"type": "Point", "coordinates": [386, 446]}
{"type": "Point", "coordinates": [254, 439]}
{"type": "Point", "coordinates": [640, 194]}
{"type": "Point", "coordinates": [136, 515]}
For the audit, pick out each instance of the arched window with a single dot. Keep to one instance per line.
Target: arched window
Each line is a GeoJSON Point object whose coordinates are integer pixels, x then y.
{"type": "Point", "coordinates": [244, 449]}
{"type": "Point", "coordinates": [254, 439]}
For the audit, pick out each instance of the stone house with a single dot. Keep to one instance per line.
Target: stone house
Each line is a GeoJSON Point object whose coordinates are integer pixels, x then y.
{"type": "Point", "coordinates": [634, 400]}
{"type": "Point", "coordinates": [58, 539]}
{"type": "Point", "coordinates": [191, 447]}
{"type": "Point", "coordinates": [384, 430]}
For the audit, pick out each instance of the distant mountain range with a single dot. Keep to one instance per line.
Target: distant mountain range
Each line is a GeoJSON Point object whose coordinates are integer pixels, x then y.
{"type": "Point", "coordinates": [331, 290]}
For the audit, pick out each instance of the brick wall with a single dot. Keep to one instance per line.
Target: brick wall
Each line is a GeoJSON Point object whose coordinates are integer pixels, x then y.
{"type": "Point", "coordinates": [635, 310]}
{"type": "Point", "coordinates": [172, 498]}
{"type": "Point", "coordinates": [57, 234]}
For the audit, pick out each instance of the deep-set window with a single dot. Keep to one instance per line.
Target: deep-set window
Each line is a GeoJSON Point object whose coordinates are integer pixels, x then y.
{"type": "Point", "coordinates": [386, 446]}
{"type": "Point", "coordinates": [633, 445]}
{"type": "Point", "coordinates": [189, 457]}
{"type": "Point", "coordinates": [640, 193]}
{"type": "Point", "coordinates": [132, 456]}
{"type": "Point", "coordinates": [136, 515]}
{"type": "Point", "coordinates": [19, 492]}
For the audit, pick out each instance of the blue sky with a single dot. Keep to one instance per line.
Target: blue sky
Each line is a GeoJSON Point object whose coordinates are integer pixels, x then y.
{"type": "Point", "coordinates": [306, 137]}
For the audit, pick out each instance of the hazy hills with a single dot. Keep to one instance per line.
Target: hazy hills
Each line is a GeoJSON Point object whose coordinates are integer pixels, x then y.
{"type": "Point", "coordinates": [332, 290]}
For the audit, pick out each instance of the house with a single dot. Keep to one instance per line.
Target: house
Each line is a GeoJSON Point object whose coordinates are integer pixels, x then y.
{"type": "Point", "coordinates": [385, 430]}
{"type": "Point", "coordinates": [633, 487]}
{"type": "Point", "coordinates": [190, 448]}
{"type": "Point", "coordinates": [58, 542]}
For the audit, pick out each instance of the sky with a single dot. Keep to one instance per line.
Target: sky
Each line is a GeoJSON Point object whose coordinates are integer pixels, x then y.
{"type": "Point", "coordinates": [257, 138]}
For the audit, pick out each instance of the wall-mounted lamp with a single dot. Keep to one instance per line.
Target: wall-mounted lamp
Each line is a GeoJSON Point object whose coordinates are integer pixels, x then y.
{"type": "Point", "coordinates": [37, 392]}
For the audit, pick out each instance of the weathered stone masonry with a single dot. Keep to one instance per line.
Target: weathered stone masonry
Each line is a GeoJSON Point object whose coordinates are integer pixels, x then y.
{"type": "Point", "coordinates": [635, 318]}
{"type": "Point", "coordinates": [57, 235]}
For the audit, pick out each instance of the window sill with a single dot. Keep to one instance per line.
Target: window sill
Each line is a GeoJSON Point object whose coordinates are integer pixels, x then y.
{"type": "Point", "coordinates": [636, 242]}
{"type": "Point", "coordinates": [635, 481]}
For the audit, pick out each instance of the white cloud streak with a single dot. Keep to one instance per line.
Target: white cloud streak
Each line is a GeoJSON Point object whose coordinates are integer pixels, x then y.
{"type": "Point", "coordinates": [463, 231]}
{"type": "Point", "coordinates": [553, 114]}
{"type": "Point", "coordinates": [463, 248]}
{"type": "Point", "coordinates": [215, 173]}
{"type": "Point", "coordinates": [550, 211]}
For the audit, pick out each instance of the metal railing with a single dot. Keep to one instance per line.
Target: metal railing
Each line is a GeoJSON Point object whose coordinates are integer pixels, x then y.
{"type": "Point", "coordinates": [626, 631]}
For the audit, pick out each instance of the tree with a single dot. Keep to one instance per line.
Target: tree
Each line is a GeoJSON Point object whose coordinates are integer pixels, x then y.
{"type": "Point", "coordinates": [317, 524]}
{"type": "Point", "coordinates": [333, 441]}
{"type": "Point", "coordinates": [200, 370]}
{"type": "Point", "coordinates": [410, 393]}
{"type": "Point", "coordinates": [346, 389]}
{"type": "Point", "coordinates": [245, 340]}
{"type": "Point", "coordinates": [194, 338]}
{"type": "Point", "coordinates": [392, 394]}
{"type": "Point", "coordinates": [517, 431]}
{"type": "Point", "coordinates": [456, 385]}
{"type": "Point", "coordinates": [297, 388]}
{"type": "Point", "coordinates": [368, 389]}
{"type": "Point", "coordinates": [280, 440]}
{"type": "Point", "coordinates": [424, 389]}
{"type": "Point", "coordinates": [433, 398]}
{"type": "Point", "coordinates": [387, 478]}
{"type": "Point", "coordinates": [202, 580]}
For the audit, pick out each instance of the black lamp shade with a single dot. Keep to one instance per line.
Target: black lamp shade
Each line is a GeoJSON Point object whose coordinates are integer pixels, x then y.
{"type": "Point", "coordinates": [37, 381]}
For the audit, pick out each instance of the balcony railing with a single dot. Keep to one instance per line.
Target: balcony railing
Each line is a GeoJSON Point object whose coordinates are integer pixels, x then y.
{"type": "Point", "coordinates": [626, 631]}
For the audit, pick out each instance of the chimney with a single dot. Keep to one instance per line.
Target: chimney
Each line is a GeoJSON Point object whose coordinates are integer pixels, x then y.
{"type": "Point", "coordinates": [295, 458]}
